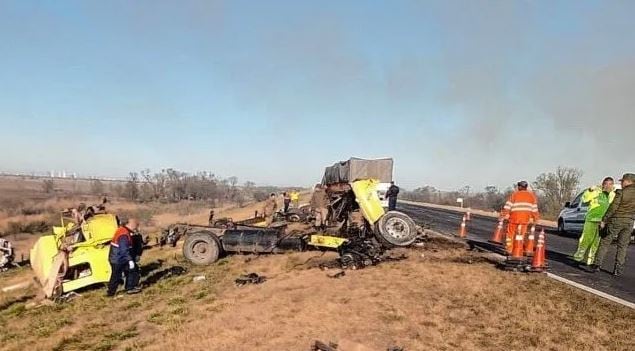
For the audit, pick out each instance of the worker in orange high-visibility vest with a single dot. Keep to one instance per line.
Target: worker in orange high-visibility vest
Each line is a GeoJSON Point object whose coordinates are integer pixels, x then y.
{"type": "Point", "coordinates": [520, 209]}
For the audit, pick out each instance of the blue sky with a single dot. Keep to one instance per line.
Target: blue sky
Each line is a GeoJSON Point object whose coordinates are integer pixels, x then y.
{"type": "Point", "coordinates": [458, 92]}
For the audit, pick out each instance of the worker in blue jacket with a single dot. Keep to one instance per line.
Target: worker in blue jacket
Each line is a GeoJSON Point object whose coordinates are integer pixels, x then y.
{"type": "Point", "coordinates": [122, 262]}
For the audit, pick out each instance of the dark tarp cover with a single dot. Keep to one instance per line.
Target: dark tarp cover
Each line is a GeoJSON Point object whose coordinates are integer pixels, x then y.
{"type": "Point", "coordinates": [356, 169]}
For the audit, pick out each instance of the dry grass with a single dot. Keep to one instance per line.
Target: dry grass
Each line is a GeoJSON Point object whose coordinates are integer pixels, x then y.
{"type": "Point", "coordinates": [434, 302]}
{"type": "Point", "coordinates": [440, 298]}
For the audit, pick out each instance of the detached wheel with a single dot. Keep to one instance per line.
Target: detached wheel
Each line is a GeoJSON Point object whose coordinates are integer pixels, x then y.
{"type": "Point", "coordinates": [202, 248]}
{"type": "Point", "coordinates": [396, 229]}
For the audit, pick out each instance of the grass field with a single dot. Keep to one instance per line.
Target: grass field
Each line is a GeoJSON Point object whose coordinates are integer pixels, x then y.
{"type": "Point", "coordinates": [441, 297]}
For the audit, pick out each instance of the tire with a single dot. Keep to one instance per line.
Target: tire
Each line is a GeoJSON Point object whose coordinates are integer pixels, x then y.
{"type": "Point", "coordinates": [202, 248]}
{"type": "Point", "coordinates": [294, 218]}
{"type": "Point", "coordinates": [396, 229]}
{"type": "Point", "coordinates": [561, 230]}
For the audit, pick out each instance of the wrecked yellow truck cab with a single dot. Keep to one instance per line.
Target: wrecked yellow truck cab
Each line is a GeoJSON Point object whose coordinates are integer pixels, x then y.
{"type": "Point", "coordinates": [74, 256]}
{"type": "Point", "coordinates": [366, 197]}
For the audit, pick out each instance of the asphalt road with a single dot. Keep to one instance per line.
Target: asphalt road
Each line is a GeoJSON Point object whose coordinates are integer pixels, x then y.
{"type": "Point", "coordinates": [559, 249]}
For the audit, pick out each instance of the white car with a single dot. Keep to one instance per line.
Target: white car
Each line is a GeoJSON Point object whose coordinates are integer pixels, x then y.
{"type": "Point", "coordinates": [571, 218]}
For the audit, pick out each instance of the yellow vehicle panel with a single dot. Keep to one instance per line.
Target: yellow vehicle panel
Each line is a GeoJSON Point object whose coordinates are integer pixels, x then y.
{"type": "Point", "coordinates": [100, 228]}
{"type": "Point", "coordinates": [368, 200]}
{"type": "Point", "coordinates": [41, 256]}
{"type": "Point", "coordinates": [326, 241]}
{"type": "Point", "coordinates": [88, 258]}
{"type": "Point", "coordinates": [93, 262]}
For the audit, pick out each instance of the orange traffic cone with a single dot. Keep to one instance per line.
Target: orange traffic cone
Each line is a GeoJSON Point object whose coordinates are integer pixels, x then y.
{"type": "Point", "coordinates": [538, 263]}
{"type": "Point", "coordinates": [530, 242]}
{"type": "Point", "coordinates": [497, 238]}
{"type": "Point", "coordinates": [517, 249]}
{"type": "Point", "coordinates": [462, 229]}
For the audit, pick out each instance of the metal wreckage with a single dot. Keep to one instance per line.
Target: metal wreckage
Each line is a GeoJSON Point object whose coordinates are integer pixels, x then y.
{"type": "Point", "coordinates": [360, 229]}
{"type": "Point", "coordinates": [75, 255]}
{"type": "Point", "coordinates": [7, 254]}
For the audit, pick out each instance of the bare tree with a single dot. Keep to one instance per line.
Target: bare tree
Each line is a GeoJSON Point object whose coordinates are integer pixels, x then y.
{"type": "Point", "coordinates": [494, 199]}
{"type": "Point", "coordinates": [424, 194]}
{"type": "Point", "coordinates": [233, 180]}
{"type": "Point", "coordinates": [155, 183]}
{"type": "Point", "coordinates": [48, 186]}
{"type": "Point", "coordinates": [132, 186]}
{"type": "Point", "coordinates": [117, 189]}
{"type": "Point", "coordinates": [557, 188]}
{"type": "Point", "coordinates": [96, 187]}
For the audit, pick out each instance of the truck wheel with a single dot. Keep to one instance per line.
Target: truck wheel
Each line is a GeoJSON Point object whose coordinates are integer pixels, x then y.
{"type": "Point", "coordinates": [396, 229]}
{"type": "Point", "coordinates": [294, 218]}
{"type": "Point", "coordinates": [202, 248]}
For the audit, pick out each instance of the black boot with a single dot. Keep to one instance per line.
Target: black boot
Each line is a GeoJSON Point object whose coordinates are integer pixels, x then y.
{"type": "Point", "coordinates": [594, 268]}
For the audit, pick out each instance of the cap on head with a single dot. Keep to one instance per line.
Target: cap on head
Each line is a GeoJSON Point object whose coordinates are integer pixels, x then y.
{"type": "Point", "coordinates": [630, 177]}
{"type": "Point", "coordinates": [522, 185]}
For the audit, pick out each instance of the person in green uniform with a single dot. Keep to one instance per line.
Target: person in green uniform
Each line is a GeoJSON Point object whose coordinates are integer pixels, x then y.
{"type": "Point", "coordinates": [618, 221]}
{"type": "Point", "coordinates": [598, 200]}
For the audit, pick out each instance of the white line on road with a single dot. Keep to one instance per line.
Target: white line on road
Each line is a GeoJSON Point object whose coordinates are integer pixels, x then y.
{"type": "Point", "coordinates": [553, 276]}
{"type": "Point", "coordinates": [591, 290]}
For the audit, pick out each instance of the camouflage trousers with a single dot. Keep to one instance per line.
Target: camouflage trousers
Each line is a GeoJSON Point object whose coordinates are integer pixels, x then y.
{"type": "Point", "coordinates": [620, 228]}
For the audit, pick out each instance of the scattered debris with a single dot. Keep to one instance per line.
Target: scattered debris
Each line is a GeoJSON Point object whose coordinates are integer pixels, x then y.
{"type": "Point", "coordinates": [164, 274]}
{"type": "Point", "coordinates": [337, 275]}
{"type": "Point", "coordinates": [67, 297]}
{"type": "Point", "coordinates": [251, 278]}
{"type": "Point", "coordinates": [361, 253]}
{"type": "Point", "coordinates": [198, 278]}
{"type": "Point", "coordinates": [6, 255]}
{"type": "Point", "coordinates": [346, 345]}
{"type": "Point", "coordinates": [470, 259]}
{"type": "Point", "coordinates": [320, 346]}
{"type": "Point", "coordinates": [394, 258]}
{"type": "Point", "coordinates": [18, 286]}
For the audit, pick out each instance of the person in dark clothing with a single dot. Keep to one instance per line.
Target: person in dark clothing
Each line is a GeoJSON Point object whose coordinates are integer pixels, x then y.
{"type": "Point", "coordinates": [319, 206]}
{"type": "Point", "coordinates": [122, 259]}
{"type": "Point", "coordinates": [392, 194]}
{"type": "Point", "coordinates": [210, 220]}
{"type": "Point", "coordinates": [618, 223]}
{"type": "Point", "coordinates": [136, 250]}
{"type": "Point", "coordinates": [286, 199]}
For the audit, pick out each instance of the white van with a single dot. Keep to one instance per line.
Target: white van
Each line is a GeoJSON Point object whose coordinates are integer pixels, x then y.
{"type": "Point", "coordinates": [572, 216]}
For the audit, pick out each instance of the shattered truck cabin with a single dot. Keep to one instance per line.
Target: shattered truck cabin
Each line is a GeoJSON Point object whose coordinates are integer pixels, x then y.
{"type": "Point", "coordinates": [358, 226]}
{"type": "Point", "coordinates": [352, 187]}
{"type": "Point", "coordinates": [75, 255]}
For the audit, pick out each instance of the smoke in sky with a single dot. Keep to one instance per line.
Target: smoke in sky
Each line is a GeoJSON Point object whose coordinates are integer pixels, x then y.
{"type": "Point", "coordinates": [458, 92]}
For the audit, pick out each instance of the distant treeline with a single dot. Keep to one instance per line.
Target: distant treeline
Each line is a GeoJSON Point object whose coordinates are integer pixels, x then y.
{"type": "Point", "coordinates": [553, 190]}
{"type": "Point", "coordinates": [172, 185]}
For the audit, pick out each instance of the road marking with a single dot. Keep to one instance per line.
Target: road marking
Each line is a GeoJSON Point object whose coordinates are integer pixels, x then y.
{"type": "Point", "coordinates": [591, 290]}
{"type": "Point", "coordinates": [553, 276]}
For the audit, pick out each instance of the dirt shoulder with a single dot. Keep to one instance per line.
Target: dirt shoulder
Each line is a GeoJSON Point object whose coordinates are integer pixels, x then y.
{"type": "Point", "coordinates": [441, 297]}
